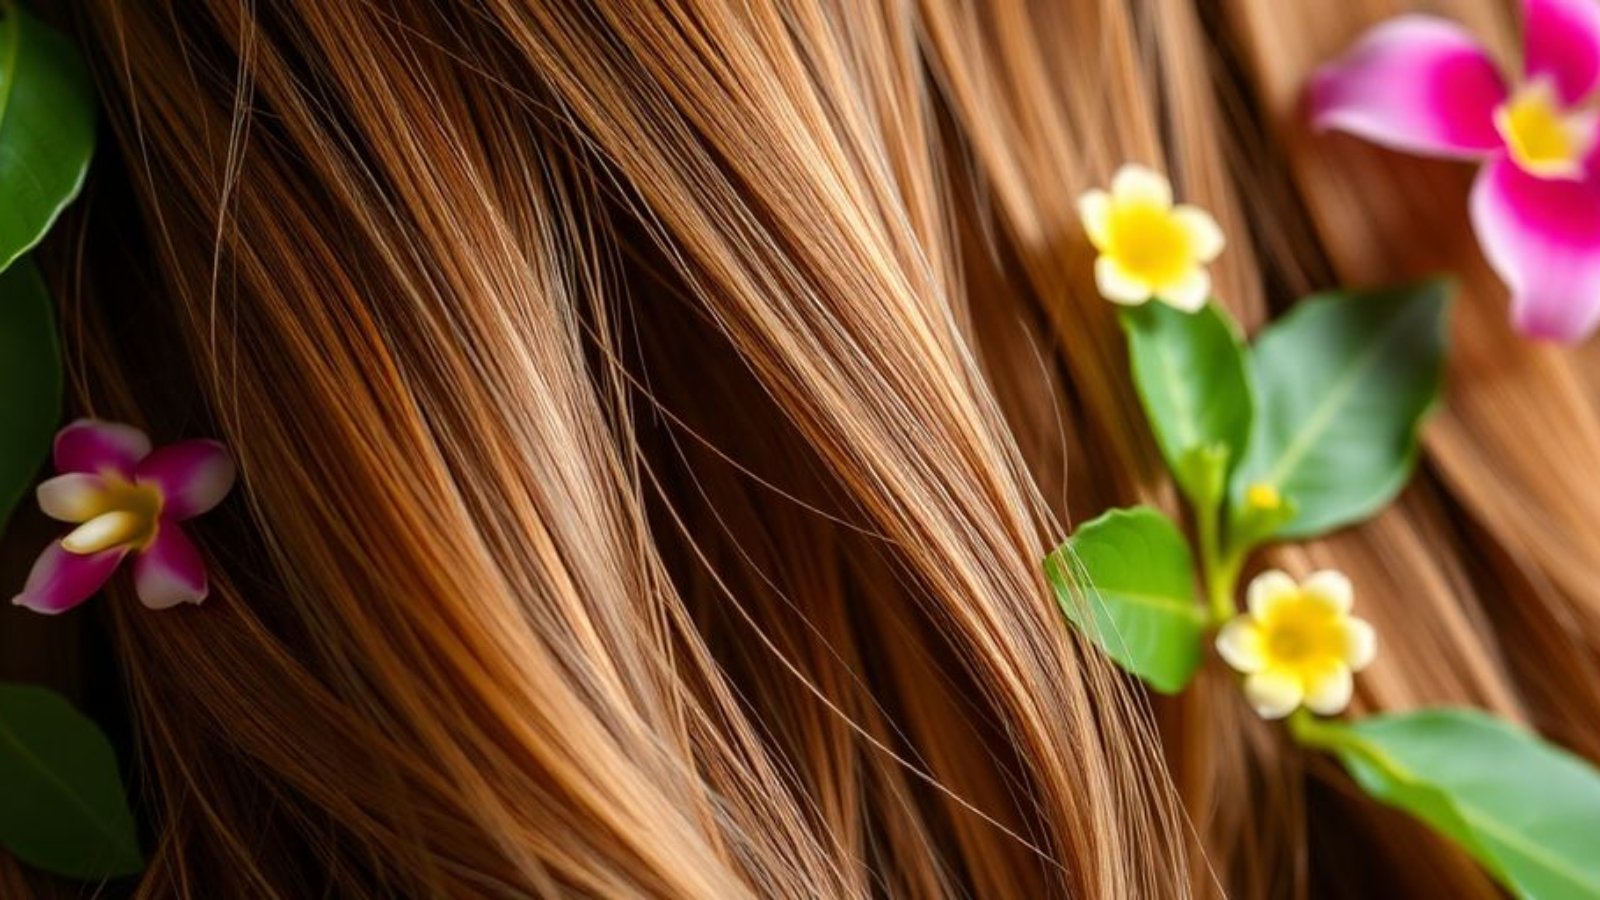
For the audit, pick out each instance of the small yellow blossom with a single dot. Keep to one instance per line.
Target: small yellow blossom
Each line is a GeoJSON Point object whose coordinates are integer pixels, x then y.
{"type": "Point", "coordinates": [1298, 644]}
{"type": "Point", "coordinates": [1149, 247]}
{"type": "Point", "coordinates": [1262, 495]}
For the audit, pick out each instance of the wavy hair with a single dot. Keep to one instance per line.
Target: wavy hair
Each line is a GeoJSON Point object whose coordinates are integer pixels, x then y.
{"type": "Point", "coordinates": [652, 416]}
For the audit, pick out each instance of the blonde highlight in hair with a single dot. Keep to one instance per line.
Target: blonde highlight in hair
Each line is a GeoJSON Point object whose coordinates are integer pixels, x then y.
{"type": "Point", "coordinates": [652, 417]}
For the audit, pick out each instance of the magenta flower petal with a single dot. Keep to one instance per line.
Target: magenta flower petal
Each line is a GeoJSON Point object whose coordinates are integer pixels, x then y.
{"type": "Point", "coordinates": [61, 580]}
{"type": "Point", "coordinates": [1561, 41]}
{"type": "Point", "coordinates": [1414, 83]}
{"type": "Point", "coordinates": [170, 571]}
{"type": "Point", "coordinates": [193, 476]}
{"type": "Point", "coordinates": [1543, 238]}
{"type": "Point", "coordinates": [88, 445]}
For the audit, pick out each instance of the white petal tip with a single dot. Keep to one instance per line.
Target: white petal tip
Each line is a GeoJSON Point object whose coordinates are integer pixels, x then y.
{"type": "Point", "coordinates": [1268, 589]}
{"type": "Point", "coordinates": [1330, 586]}
{"type": "Point", "coordinates": [1361, 643]}
{"type": "Point", "coordinates": [1330, 694]}
{"type": "Point", "coordinates": [1117, 285]}
{"type": "Point", "coordinates": [1239, 645]}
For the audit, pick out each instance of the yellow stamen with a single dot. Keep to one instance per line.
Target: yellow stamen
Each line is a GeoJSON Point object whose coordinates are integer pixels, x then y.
{"type": "Point", "coordinates": [127, 514]}
{"type": "Point", "coordinates": [1303, 635]}
{"type": "Point", "coordinates": [1150, 243]}
{"type": "Point", "coordinates": [1543, 138]}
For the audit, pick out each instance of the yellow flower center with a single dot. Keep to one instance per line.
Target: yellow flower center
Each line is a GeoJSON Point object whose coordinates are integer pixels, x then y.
{"type": "Point", "coordinates": [1542, 137]}
{"type": "Point", "coordinates": [1303, 634]}
{"type": "Point", "coordinates": [1149, 242]}
{"type": "Point", "coordinates": [1262, 495]}
{"type": "Point", "coordinates": [124, 514]}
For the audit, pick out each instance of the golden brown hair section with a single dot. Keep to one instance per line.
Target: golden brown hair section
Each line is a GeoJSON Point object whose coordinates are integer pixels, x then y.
{"type": "Point", "coordinates": [631, 517]}
{"type": "Point", "coordinates": [652, 416]}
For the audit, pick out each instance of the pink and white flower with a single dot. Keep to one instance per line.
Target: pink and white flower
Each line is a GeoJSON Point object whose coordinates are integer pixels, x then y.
{"type": "Point", "coordinates": [1424, 85]}
{"type": "Point", "coordinates": [126, 500]}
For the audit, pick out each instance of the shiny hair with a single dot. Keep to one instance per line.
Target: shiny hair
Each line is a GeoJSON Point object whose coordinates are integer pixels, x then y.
{"type": "Point", "coordinates": [651, 418]}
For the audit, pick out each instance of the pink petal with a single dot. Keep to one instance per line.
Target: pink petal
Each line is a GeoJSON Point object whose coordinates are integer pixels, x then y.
{"type": "Point", "coordinates": [1414, 83]}
{"type": "Point", "coordinates": [61, 580]}
{"type": "Point", "coordinates": [193, 476]}
{"type": "Point", "coordinates": [89, 445]}
{"type": "Point", "coordinates": [1561, 41]}
{"type": "Point", "coordinates": [170, 571]}
{"type": "Point", "coordinates": [1543, 237]}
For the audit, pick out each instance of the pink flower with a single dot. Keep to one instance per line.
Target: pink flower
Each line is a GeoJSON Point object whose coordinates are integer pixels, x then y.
{"type": "Point", "coordinates": [125, 499]}
{"type": "Point", "coordinates": [1423, 85]}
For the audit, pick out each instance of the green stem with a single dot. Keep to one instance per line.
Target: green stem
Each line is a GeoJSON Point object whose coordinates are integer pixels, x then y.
{"type": "Point", "coordinates": [1221, 567]}
{"type": "Point", "coordinates": [1222, 583]}
{"type": "Point", "coordinates": [1309, 731]}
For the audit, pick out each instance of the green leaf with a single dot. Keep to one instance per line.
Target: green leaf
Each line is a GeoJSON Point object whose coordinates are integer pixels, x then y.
{"type": "Point", "coordinates": [30, 370]}
{"type": "Point", "coordinates": [47, 113]}
{"type": "Point", "coordinates": [62, 806]}
{"type": "Point", "coordinates": [1140, 606]}
{"type": "Point", "coordinates": [1344, 383]}
{"type": "Point", "coordinates": [1191, 373]}
{"type": "Point", "coordinates": [1528, 810]}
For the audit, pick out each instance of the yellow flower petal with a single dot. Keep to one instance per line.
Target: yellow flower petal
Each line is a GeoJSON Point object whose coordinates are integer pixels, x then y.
{"type": "Point", "coordinates": [1361, 643]}
{"type": "Point", "coordinates": [1188, 293]}
{"type": "Point", "coordinates": [1240, 643]}
{"type": "Point", "coordinates": [1094, 211]}
{"type": "Point", "coordinates": [74, 497]}
{"type": "Point", "coordinates": [1329, 587]}
{"type": "Point", "coordinates": [1267, 590]}
{"type": "Point", "coordinates": [1328, 690]}
{"type": "Point", "coordinates": [1117, 284]}
{"type": "Point", "coordinates": [1205, 235]}
{"type": "Point", "coordinates": [104, 532]}
{"type": "Point", "coordinates": [1134, 183]}
{"type": "Point", "coordinates": [1273, 693]}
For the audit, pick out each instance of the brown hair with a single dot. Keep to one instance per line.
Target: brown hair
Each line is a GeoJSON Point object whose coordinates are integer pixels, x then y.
{"type": "Point", "coordinates": [651, 418]}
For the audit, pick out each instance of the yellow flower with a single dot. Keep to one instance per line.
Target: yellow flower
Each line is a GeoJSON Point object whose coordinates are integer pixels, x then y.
{"type": "Point", "coordinates": [1298, 644]}
{"type": "Point", "coordinates": [1149, 247]}
{"type": "Point", "coordinates": [1262, 495]}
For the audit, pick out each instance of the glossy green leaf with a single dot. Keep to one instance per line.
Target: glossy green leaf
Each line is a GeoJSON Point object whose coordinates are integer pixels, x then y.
{"type": "Point", "coordinates": [62, 806]}
{"type": "Point", "coordinates": [30, 370]}
{"type": "Point", "coordinates": [1190, 369]}
{"type": "Point", "coordinates": [1137, 599]}
{"type": "Point", "coordinates": [1343, 385]}
{"type": "Point", "coordinates": [47, 113]}
{"type": "Point", "coordinates": [1529, 811]}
